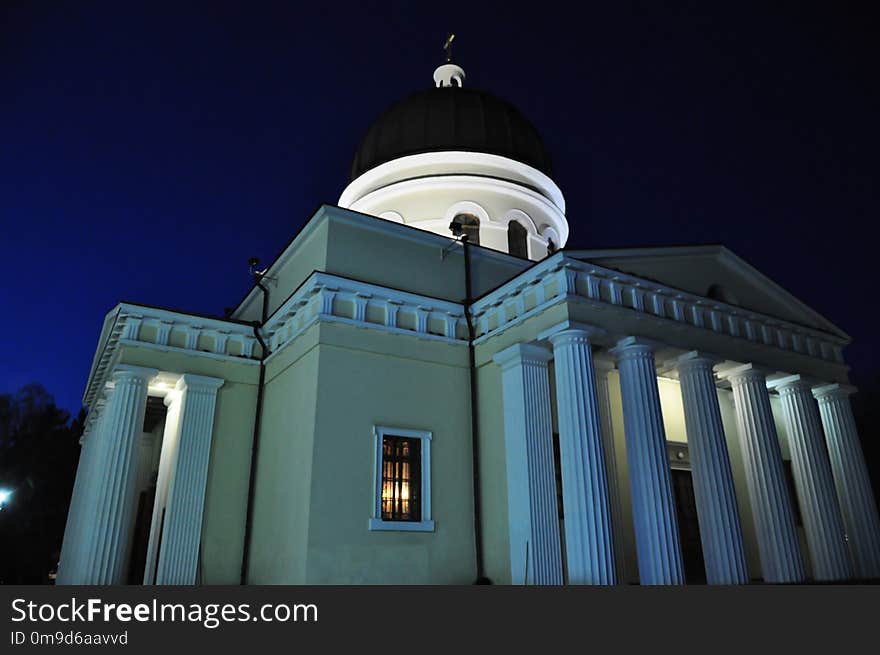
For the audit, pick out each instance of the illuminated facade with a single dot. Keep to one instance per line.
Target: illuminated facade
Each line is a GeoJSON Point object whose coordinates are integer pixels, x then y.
{"type": "Point", "coordinates": [426, 387]}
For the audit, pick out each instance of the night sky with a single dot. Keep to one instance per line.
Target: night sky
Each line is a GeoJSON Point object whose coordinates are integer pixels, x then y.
{"type": "Point", "coordinates": [148, 149]}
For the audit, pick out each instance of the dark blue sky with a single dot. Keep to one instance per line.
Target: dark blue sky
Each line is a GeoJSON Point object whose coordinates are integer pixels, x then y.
{"type": "Point", "coordinates": [149, 148]}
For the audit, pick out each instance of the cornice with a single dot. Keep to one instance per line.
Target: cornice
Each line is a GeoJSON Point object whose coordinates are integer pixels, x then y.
{"type": "Point", "coordinates": [561, 277]}
{"type": "Point", "coordinates": [331, 298]}
{"type": "Point", "coordinates": [168, 330]}
{"type": "Point", "coordinates": [724, 257]}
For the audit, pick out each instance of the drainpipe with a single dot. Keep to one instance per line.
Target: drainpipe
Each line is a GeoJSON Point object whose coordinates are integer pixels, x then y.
{"type": "Point", "coordinates": [255, 440]}
{"type": "Point", "coordinates": [475, 423]}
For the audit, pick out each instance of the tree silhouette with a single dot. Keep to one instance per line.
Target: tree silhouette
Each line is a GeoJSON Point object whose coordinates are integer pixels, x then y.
{"type": "Point", "coordinates": [39, 451]}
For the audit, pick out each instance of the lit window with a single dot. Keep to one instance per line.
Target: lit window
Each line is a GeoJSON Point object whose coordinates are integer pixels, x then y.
{"type": "Point", "coordinates": [402, 490]}
{"type": "Point", "coordinates": [401, 479]}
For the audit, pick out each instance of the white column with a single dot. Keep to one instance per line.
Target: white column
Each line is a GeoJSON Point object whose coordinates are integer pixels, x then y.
{"type": "Point", "coordinates": [182, 532]}
{"type": "Point", "coordinates": [720, 530]}
{"type": "Point", "coordinates": [80, 514]}
{"type": "Point", "coordinates": [851, 477]}
{"type": "Point", "coordinates": [768, 491]}
{"type": "Point", "coordinates": [656, 525]}
{"type": "Point", "coordinates": [535, 555]}
{"type": "Point", "coordinates": [116, 473]}
{"type": "Point", "coordinates": [823, 523]}
{"type": "Point", "coordinates": [603, 396]}
{"type": "Point", "coordinates": [589, 546]}
{"type": "Point", "coordinates": [74, 511]}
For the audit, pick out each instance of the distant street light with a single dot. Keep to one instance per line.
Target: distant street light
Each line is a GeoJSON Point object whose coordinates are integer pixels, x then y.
{"type": "Point", "coordinates": [5, 495]}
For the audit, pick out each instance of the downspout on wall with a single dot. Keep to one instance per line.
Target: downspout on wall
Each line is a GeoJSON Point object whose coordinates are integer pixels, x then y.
{"type": "Point", "coordinates": [255, 441]}
{"type": "Point", "coordinates": [475, 423]}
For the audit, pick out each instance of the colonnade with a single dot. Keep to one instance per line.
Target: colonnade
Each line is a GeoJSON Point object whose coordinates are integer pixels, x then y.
{"type": "Point", "coordinates": [834, 492]}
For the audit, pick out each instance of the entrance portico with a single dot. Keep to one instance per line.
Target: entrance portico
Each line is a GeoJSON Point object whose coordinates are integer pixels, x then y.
{"type": "Point", "coordinates": [105, 496]}
{"type": "Point", "coordinates": [815, 416]}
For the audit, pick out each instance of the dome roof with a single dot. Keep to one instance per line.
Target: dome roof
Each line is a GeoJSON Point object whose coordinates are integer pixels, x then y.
{"type": "Point", "coordinates": [450, 118]}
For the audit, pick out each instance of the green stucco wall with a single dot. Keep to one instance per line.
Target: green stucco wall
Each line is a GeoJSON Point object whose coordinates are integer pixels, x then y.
{"type": "Point", "coordinates": [282, 494]}
{"type": "Point", "coordinates": [315, 479]}
{"type": "Point", "coordinates": [307, 253]}
{"type": "Point", "coordinates": [415, 264]}
{"type": "Point", "coordinates": [493, 475]}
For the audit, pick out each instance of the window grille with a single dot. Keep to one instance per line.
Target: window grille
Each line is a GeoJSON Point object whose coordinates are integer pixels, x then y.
{"type": "Point", "coordinates": [401, 479]}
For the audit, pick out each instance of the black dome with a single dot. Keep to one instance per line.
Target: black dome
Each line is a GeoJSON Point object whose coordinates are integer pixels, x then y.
{"type": "Point", "coordinates": [450, 118]}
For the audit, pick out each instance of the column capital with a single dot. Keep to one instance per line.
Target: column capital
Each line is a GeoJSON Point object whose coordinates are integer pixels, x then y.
{"type": "Point", "coordinates": [128, 372]}
{"type": "Point", "coordinates": [743, 372]}
{"type": "Point", "coordinates": [570, 329]}
{"type": "Point", "coordinates": [831, 391]}
{"type": "Point", "coordinates": [198, 382]}
{"type": "Point", "coordinates": [633, 347]}
{"type": "Point", "coordinates": [698, 356]}
{"type": "Point", "coordinates": [692, 360]}
{"type": "Point", "coordinates": [522, 352]}
{"type": "Point", "coordinates": [791, 383]}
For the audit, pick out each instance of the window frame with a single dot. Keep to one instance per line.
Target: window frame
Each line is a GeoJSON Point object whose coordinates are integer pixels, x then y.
{"type": "Point", "coordinates": [471, 228]}
{"type": "Point", "coordinates": [377, 523]}
{"type": "Point", "coordinates": [517, 239]}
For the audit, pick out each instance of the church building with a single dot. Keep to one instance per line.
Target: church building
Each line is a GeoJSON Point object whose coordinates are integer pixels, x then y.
{"type": "Point", "coordinates": [426, 387]}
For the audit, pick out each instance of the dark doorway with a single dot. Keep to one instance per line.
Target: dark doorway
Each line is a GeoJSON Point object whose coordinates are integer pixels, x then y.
{"type": "Point", "coordinates": [145, 492]}
{"type": "Point", "coordinates": [141, 537]}
{"type": "Point", "coordinates": [688, 527]}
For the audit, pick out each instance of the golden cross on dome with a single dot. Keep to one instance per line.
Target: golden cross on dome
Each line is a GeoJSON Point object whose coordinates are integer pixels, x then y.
{"type": "Point", "coordinates": [448, 46]}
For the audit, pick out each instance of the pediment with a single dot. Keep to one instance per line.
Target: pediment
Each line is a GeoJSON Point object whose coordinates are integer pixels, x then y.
{"type": "Point", "coordinates": [713, 272]}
